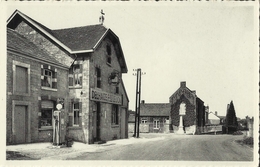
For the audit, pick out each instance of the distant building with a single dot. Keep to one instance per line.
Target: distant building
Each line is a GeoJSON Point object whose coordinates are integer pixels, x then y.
{"type": "Point", "coordinates": [194, 117]}
{"type": "Point", "coordinates": [213, 119]}
{"type": "Point", "coordinates": [165, 117]}
{"type": "Point", "coordinates": [154, 117]}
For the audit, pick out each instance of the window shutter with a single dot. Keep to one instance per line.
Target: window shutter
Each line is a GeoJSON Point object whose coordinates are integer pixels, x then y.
{"type": "Point", "coordinates": [80, 114]}
{"type": "Point", "coordinates": [54, 79]}
{"type": "Point", "coordinates": [42, 76]}
{"type": "Point", "coordinates": [71, 76]}
{"type": "Point", "coordinates": [71, 114]}
{"type": "Point", "coordinates": [39, 119]}
{"type": "Point", "coordinates": [81, 74]}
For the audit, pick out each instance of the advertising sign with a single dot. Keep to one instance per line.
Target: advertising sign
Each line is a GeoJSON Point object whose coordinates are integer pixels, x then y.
{"type": "Point", "coordinates": [98, 95]}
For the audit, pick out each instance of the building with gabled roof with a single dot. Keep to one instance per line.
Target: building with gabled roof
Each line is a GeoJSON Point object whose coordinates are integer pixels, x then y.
{"type": "Point", "coordinates": [154, 117]}
{"type": "Point", "coordinates": [93, 96]}
{"type": "Point", "coordinates": [194, 116]}
{"type": "Point", "coordinates": [165, 117]}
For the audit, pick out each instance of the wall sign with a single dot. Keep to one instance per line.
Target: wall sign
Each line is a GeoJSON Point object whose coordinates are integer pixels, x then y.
{"type": "Point", "coordinates": [98, 95]}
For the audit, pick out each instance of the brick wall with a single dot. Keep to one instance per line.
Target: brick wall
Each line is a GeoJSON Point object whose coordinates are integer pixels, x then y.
{"type": "Point", "coordinates": [42, 42]}
{"type": "Point", "coordinates": [99, 59]}
{"type": "Point", "coordinates": [34, 98]}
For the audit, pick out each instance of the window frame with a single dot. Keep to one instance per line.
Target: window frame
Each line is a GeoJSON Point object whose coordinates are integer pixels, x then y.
{"type": "Point", "coordinates": [115, 115]}
{"type": "Point", "coordinates": [24, 65]}
{"type": "Point", "coordinates": [108, 53]}
{"type": "Point", "coordinates": [98, 77]}
{"type": "Point", "coordinates": [156, 122]}
{"type": "Point", "coordinates": [53, 70]}
{"type": "Point", "coordinates": [48, 76]}
{"type": "Point", "coordinates": [49, 126]}
{"type": "Point", "coordinates": [78, 111]}
{"type": "Point", "coordinates": [42, 108]}
{"type": "Point", "coordinates": [72, 75]}
{"type": "Point", "coordinates": [144, 121]}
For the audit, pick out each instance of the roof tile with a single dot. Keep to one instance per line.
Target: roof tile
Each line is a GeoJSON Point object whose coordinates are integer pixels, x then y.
{"type": "Point", "coordinates": [155, 109]}
{"type": "Point", "coordinates": [21, 44]}
{"type": "Point", "coordinates": [80, 38]}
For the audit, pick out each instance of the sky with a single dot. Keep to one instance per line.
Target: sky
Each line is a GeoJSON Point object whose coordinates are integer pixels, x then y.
{"type": "Point", "coordinates": [212, 46]}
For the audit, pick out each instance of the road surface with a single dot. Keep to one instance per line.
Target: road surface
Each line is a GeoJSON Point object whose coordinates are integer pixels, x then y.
{"type": "Point", "coordinates": [178, 148]}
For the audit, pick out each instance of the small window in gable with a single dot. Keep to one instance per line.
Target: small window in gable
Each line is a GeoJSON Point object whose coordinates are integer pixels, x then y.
{"type": "Point", "coordinates": [108, 54]}
{"type": "Point", "coordinates": [48, 77]}
{"type": "Point", "coordinates": [98, 77]}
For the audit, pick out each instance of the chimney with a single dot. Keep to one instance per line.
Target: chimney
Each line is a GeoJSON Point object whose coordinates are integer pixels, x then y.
{"type": "Point", "coordinates": [183, 84]}
{"type": "Point", "coordinates": [216, 113]}
{"type": "Point", "coordinates": [142, 101]}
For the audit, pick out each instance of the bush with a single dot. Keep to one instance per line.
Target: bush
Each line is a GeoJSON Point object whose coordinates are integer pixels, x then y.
{"type": "Point", "coordinates": [249, 141]}
{"type": "Point", "coordinates": [238, 133]}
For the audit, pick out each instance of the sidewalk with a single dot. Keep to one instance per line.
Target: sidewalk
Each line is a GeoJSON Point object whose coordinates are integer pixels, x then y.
{"type": "Point", "coordinates": [46, 151]}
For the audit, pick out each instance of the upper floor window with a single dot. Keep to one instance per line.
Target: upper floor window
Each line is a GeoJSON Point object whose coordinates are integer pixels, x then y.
{"type": "Point", "coordinates": [21, 78]}
{"type": "Point", "coordinates": [117, 89]}
{"type": "Point", "coordinates": [108, 54]}
{"type": "Point", "coordinates": [75, 75]}
{"type": "Point", "coordinates": [48, 77]}
{"type": "Point", "coordinates": [98, 77]}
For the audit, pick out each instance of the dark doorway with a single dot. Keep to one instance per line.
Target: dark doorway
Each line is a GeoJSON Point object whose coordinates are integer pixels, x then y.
{"type": "Point", "coordinates": [98, 121]}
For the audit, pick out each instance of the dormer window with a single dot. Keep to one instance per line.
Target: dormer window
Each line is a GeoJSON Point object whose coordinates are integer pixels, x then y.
{"type": "Point", "coordinates": [108, 54]}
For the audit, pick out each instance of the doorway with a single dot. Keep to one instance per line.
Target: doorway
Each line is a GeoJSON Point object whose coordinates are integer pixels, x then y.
{"type": "Point", "coordinates": [20, 123]}
{"type": "Point", "coordinates": [98, 118]}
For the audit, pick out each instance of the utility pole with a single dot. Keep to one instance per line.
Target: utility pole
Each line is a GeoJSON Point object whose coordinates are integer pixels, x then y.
{"type": "Point", "coordinates": [137, 101]}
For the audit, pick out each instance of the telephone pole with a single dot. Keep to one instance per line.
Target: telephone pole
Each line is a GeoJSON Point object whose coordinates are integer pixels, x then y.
{"type": "Point", "coordinates": [137, 101]}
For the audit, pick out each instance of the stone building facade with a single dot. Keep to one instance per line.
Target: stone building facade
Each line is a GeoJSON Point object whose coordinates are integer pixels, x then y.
{"type": "Point", "coordinates": [84, 65]}
{"type": "Point", "coordinates": [154, 117]}
{"type": "Point", "coordinates": [165, 117]}
{"type": "Point", "coordinates": [194, 117]}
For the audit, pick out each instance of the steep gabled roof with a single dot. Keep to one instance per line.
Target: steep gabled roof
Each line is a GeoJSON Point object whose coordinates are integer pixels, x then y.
{"type": "Point", "coordinates": [19, 44]}
{"type": "Point", "coordinates": [74, 40]}
{"type": "Point", "coordinates": [155, 109]}
{"type": "Point", "coordinates": [183, 86]}
{"type": "Point", "coordinates": [80, 38]}
{"type": "Point", "coordinates": [18, 16]}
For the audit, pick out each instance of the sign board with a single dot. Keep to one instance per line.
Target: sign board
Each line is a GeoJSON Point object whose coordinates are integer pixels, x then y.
{"type": "Point", "coordinates": [98, 95]}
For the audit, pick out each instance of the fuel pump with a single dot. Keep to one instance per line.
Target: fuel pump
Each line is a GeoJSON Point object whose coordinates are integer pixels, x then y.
{"type": "Point", "coordinates": [58, 126]}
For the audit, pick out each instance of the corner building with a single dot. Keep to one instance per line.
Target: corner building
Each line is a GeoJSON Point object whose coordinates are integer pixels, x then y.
{"type": "Point", "coordinates": [84, 66]}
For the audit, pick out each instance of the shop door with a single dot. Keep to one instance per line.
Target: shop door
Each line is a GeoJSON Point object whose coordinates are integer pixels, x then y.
{"type": "Point", "coordinates": [20, 123]}
{"type": "Point", "coordinates": [123, 122]}
{"type": "Point", "coordinates": [98, 121]}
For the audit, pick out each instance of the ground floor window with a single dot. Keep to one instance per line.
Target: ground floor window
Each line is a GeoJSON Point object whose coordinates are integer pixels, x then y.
{"type": "Point", "coordinates": [46, 117]}
{"type": "Point", "coordinates": [156, 124]}
{"type": "Point", "coordinates": [76, 114]}
{"type": "Point", "coordinates": [114, 120]}
{"type": "Point", "coordinates": [144, 121]}
{"type": "Point", "coordinates": [47, 108]}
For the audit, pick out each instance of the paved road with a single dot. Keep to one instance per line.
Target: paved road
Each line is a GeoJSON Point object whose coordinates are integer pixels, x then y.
{"type": "Point", "coordinates": [177, 147]}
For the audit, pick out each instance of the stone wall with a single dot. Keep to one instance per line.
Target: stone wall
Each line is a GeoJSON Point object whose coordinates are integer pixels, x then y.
{"type": "Point", "coordinates": [44, 43]}
{"type": "Point", "coordinates": [34, 98]}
